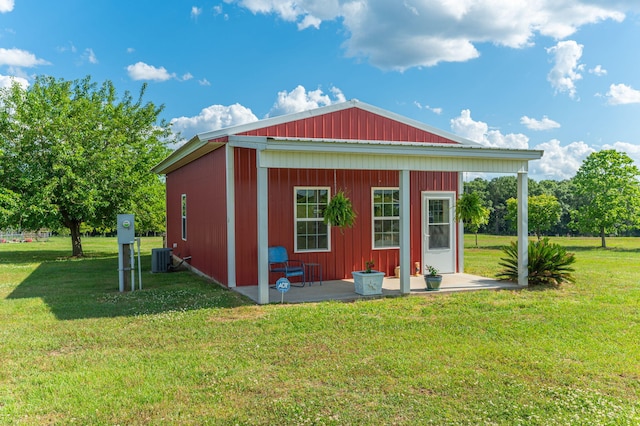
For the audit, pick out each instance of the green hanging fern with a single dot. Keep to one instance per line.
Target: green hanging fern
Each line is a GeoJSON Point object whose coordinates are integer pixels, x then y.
{"type": "Point", "coordinates": [549, 263]}
{"type": "Point", "coordinates": [339, 212]}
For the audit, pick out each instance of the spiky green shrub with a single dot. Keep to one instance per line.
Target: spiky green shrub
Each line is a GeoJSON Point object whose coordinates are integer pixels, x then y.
{"type": "Point", "coordinates": [549, 263]}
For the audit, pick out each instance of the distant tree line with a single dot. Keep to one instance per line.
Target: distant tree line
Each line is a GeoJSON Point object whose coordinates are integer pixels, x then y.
{"type": "Point", "coordinates": [602, 199]}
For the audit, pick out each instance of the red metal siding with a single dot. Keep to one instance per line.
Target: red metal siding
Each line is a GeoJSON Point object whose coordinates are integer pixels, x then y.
{"type": "Point", "coordinates": [203, 181]}
{"type": "Point", "coordinates": [246, 218]}
{"type": "Point", "coordinates": [352, 123]}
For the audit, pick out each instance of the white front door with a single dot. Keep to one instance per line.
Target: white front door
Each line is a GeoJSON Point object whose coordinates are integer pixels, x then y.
{"type": "Point", "coordinates": [438, 231]}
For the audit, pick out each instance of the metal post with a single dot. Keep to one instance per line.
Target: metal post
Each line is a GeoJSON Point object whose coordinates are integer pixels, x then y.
{"type": "Point", "coordinates": [139, 266]}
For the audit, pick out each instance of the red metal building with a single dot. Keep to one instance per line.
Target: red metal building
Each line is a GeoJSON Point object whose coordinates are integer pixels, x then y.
{"type": "Point", "coordinates": [234, 192]}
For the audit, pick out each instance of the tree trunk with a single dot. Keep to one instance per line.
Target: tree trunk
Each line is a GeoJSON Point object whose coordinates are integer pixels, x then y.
{"type": "Point", "coordinates": [76, 243]}
{"type": "Point", "coordinates": [602, 238]}
{"type": "Point", "coordinates": [476, 240]}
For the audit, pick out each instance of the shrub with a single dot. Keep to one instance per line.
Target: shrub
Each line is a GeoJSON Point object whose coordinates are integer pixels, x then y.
{"type": "Point", "coordinates": [549, 263]}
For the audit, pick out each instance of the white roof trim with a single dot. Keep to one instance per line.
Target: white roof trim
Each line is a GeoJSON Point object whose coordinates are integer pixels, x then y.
{"type": "Point", "coordinates": [242, 128]}
{"type": "Point", "coordinates": [387, 148]}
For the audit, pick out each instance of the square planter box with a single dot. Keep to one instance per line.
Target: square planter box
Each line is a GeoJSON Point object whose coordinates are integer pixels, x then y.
{"type": "Point", "coordinates": [368, 284]}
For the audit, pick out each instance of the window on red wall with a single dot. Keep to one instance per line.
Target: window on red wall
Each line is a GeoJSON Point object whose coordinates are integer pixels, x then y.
{"type": "Point", "coordinates": [311, 233]}
{"type": "Point", "coordinates": [386, 218]}
{"type": "Point", "coordinates": [184, 216]}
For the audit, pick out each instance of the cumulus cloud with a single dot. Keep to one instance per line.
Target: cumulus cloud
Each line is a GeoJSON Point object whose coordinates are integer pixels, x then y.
{"type": "Point", "coordinates": [545, 124]}
{"type": "Point", "coordinates": [299, 99]}
{"type": "Point", "coordinates": [598, 70]}
{"type": "Point", "coordinates": [142, 71]}
{"type": "Point", "coordinates": [195, 11]}
{"type": "Point", "coordinates": [212, 118]}
{"type": "Point", "coordinates": [567, 68]}
{"type": "Point", "coordinates": [20, 58]}
{"type": "Point", "coordinates": [6, 6]}
{"type": "Point", "coordinates": [478, 131]}
{"type": "Point", "coordinates": [620, 94]}
{"type": "Point", "coordinates": [559, 162]}
{"type": "Point", "coordinates": [8, 80]}
{"type": "Point", "coordinates": [403, 34]}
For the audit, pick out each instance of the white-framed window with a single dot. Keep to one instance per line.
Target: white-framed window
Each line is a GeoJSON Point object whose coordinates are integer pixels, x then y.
{"type": "Point", "coordinates": [183, 208]}
{"type": "Point", "coordinates": [386, 217]}
{"type": "Point", "coordinates": [311, 233]}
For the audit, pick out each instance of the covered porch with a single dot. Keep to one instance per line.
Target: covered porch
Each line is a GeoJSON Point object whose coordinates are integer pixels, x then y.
{"type": "Point", "coordinates": [343, 290]}
{"type": "Point", "coordinates": [402, 157]}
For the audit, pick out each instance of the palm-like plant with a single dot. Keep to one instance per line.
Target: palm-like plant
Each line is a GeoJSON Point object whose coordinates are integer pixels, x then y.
{"type": "Point", "coordinates": [549, 263]}
{"type": "Point", "coordinates": [472, 213]}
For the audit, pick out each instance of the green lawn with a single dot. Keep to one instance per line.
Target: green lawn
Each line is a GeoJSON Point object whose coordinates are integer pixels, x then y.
{"type": "Point", "coordinates": [184, 351]}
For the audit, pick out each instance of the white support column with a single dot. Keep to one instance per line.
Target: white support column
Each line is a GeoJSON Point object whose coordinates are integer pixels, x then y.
{"type": "Point", "coordinates": [523, 228]}
{"type": "Point", "coordinates": [460, 248]}
{"type": "Point", "coordinates": [263, 231]}
{"type": "Point", "coordinates": [231, 217]}
{"type": "Point", "coordinates": [405, 232]}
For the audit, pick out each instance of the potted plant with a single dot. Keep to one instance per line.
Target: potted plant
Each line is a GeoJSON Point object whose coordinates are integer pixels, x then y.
{"type": "Point", "coordinates": [369, 281]}
{"type": "Point", "coordinates": [432, 278]}
{"type": "Point", "coordinates": [339, 212]}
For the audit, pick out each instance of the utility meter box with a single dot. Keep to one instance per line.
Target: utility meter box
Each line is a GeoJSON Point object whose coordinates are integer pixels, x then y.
{"type": "Point", "coordinates": [126, 231]}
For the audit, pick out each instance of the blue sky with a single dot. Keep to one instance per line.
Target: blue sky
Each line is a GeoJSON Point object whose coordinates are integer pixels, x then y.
{"type": "Point", "coordinates": [558, 75]}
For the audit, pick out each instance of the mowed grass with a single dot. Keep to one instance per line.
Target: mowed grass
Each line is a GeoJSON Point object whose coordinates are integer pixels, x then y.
{"type": "Point", "coordinates": [73, 350]}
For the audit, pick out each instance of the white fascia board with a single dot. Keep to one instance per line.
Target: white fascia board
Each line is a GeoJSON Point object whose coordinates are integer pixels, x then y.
{"type": "Point", "coordinates": [400, 148]}
{"type": "Point", "coordinates": [185, 149]}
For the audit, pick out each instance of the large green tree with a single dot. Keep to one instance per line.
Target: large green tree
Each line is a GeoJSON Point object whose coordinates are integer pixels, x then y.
{"type": "Point", "coordinates": [78, 154]}
{"type": "Point", "coordinates": [608, 191]}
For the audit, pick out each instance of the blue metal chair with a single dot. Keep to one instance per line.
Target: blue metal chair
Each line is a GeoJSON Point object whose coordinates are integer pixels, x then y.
{"type": "Point", "coordinates": [279, 262]}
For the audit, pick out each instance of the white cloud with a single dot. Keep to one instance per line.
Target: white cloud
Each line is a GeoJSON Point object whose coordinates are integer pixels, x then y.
{"type": "Point", "coordinates": [478, 131]}
{"type": "Point", "coordinates": [559, 162]}
{"type": "Point", "coordinates": [413, 33]}
{"type": "Point", "coordinates": [300, 100]}
{"type": "Point", "coordinates": [204, 82]}
{"type": "Point", "coordinates": [90, 56]}
{"type": "Point", "coordinates": [6, 6]}
{"type": "Point", "coordinates": [8, 80]}
{"type": "Point", "coordinates": [545, 124]}
{"type": "Point", "coordinates": [566, 69]}
{"type": "Point", "coordinates": [187, 76]}
{"type": "Point", "coordinates": [598, 70]}
{"type": "Point", "coordinates": [130, 50]}
{"type": "Point", "coordinates": [142, 71]}
{"type": "Point", "coordinates": [212, 118]}
{"type": "Point", "coordinates": [195, 11]}
{"type": "Point", "coordinates": [620, 94]}
{"type": "Point", "coordinates": [20, 58]}
{"type": "Point", "coordinates": [435, 110]}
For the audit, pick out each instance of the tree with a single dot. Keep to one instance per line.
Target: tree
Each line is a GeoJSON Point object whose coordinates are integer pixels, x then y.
{"type": "Point", "coordinates": [472, 212]}
{"type": "Point", "coordinates": [544, 212]}
{"type": "Point", "coordinates": [608, 190]}
{"type": "Point", "coordinates": [76, 154]}
{"type": "Point", "coordinates": [500, 190]}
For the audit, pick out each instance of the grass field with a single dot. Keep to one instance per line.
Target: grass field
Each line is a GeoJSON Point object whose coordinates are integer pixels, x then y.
{"type": "Point", "coordinates": [184, 351]}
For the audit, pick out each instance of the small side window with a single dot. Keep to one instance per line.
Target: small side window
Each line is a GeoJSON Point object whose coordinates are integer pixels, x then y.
{"type": "Point", "coordinates": [184, 216]}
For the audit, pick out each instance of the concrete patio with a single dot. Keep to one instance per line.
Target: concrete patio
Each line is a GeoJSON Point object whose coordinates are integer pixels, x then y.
{"type": "Point", "coordinates": [343, 289]}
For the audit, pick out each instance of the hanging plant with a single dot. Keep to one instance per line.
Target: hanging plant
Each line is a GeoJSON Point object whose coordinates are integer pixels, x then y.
{"type": "Point", "coordinates": [339, 212]}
